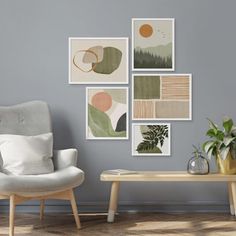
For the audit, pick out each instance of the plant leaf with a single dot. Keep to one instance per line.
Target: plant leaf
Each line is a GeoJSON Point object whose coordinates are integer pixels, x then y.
{"type": "Point", "coordinates": [233, 150]}
{"type": "Point", "coordinates": [207, 145]}
{"type": "Point", "coordinates": [211, 152]}
{"type": "Point", "coordinates": [228, 124]}
{"type": "Point", "coordinates": [155, 135]}
{"type": "Point", "coordinates": [224, 152]}
{"type": "Point", "coordinates": [220, 135]}
{"type": "Point", "coordinates": [100, 124]}
{"type": "Point", "coordinates": [211, 133]}
{"type": "Point", "coordinates": [221, 145]}
{"type": "Point", "coordinates": [228, 140]}
{"type": "Point", "coordinates": [212, 125]}
{"type": "Point", "coordinates": [233, 131]}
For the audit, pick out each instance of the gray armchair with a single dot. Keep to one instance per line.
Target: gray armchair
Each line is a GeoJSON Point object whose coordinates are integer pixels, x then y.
{"type": "Point", "coordinates": [33, 118]}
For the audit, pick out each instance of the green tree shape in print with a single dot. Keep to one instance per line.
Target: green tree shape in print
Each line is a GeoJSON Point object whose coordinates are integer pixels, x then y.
{"type": "Point", "coordinates": [100, 124]}
{"type": "Point", "coordinates": [152, 136]}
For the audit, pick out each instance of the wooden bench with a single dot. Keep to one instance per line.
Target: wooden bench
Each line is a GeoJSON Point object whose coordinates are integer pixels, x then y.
{"type": "Point", "coordinates": [166, 176]}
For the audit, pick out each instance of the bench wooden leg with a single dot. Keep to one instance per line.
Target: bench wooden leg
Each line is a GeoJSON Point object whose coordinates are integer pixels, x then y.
{"type": "Point", "coordinates": [233, 188]}
{"type": "Point", "coordinates": [113, 201]}
{"type": "Point", "coordinates": [231, 203]}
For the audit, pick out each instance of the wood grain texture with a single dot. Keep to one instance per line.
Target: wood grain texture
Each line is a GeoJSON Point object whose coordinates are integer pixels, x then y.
{"type": "Point", "coordinates": [113, 201]}
{"type": "Point", "coordinates": [172, 109]}
{"type": "Point", "coordinates": [148, 224]}
{"type": "Point", "coordinates": [175, 87]}
{"type": "Point", "coordinates": [41, 212]}
{"type": "Point", "coordinates": [166, 176]}
{"type": "Point", "coordinates": [143, 109]}
{"type": "Point", "coordinates": [231, 202]}
{"type": "Point", "coordinates": [12, 215]}
{"type": "Point", "coordinates": [16, 199]}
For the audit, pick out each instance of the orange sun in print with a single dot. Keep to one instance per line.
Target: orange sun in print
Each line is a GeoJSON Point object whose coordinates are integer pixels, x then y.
{"type": "Point", "coordinates": [146, 30]}
{"type": "Point", "coordinates": [102, 101]}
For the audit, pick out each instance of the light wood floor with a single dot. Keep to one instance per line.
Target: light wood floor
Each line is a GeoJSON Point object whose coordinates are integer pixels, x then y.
{"type": "Point", "coordinates": [145, 224]}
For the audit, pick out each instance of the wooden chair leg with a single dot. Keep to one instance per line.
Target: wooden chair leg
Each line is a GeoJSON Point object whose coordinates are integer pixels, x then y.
{"type": "Point", "coordinates": [74, 209]}
{"type": "Point", "coordinates": [42, 204]}
{"type": "Point", "coordinates": [12, 215]}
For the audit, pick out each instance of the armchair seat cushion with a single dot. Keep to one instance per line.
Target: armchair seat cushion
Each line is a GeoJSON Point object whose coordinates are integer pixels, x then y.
{"type": "Point", "coordinates": [33, 185]}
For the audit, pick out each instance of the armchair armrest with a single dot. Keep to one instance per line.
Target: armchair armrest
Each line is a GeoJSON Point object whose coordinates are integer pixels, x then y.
{"type": "Point", "coordinates": [64, 158]}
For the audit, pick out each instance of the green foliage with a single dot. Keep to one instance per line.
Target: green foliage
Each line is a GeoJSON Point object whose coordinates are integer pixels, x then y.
{"type": "Point", "coordinates": [148, 60]}
{"type": "Point", "coordinates": [154, 150]}
{"type": "Point", "coordinates": [155, 135]}
{"type": "Point", "coordinates": [100, 124]}
{"type": "Point", "coordinates": [228, 124]}
{"type": "Point", "coordinates": [222, 141]}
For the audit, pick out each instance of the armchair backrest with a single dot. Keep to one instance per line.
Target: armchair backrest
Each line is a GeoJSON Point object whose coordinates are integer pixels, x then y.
{"type": "Point", "coordinates": [31, 118]}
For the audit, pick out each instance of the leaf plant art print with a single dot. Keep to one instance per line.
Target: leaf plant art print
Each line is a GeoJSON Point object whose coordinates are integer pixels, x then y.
{"type": "Point", "coordinates": [151, 139]}
{"type": "Point", "coordinates": [107, 113]}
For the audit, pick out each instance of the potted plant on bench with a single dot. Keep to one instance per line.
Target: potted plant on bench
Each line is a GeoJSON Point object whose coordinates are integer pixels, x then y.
{"type": "Point", "coordinates": [222, 145]}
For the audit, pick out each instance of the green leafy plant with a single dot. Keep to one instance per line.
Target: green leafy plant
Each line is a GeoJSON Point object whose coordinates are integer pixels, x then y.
{"type": "Point", "coordinates": [155, 135]}
{"type": "Point", "coordinates": [100, 124]}
{"type": "Point", "coordinates": [222, 141]}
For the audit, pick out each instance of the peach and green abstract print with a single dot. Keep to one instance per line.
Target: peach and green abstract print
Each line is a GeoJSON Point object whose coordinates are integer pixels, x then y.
{"type": "Point", "coordinates": [107, 113]}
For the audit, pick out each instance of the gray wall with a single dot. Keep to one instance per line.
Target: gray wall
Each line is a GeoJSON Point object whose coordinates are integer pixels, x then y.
{"type": "Point", "coordinates": [34, 65]}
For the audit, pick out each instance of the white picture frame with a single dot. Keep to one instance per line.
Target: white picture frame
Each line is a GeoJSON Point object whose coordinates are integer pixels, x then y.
{"type": "Point", "coordinates": [145, 43]}
{"type": "Point", "coordinates": [120, 75]}
{"type": "Point", "coordinates": [89, 135]}
{"type": "Point", "coordinates": [154, 118]}
{"type": "Point", "coordinates": [137, 138]}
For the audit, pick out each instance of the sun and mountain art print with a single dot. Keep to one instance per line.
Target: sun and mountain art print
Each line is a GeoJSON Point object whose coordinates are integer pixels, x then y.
{"type": "Point", "coordinates": [151, 139]}
{"type": "Point", "coordinates": [153, 44]}
{"type": "Point", "coordinates": [107, 113]}
{"type": "Point", "coordinates": [162, 97]}
{"type": "Point", "coordinates": [98, 60]}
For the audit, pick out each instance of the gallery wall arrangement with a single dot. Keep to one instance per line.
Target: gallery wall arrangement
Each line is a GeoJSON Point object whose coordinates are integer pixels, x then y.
{"type": "Point", "coordinates": [155, 97]}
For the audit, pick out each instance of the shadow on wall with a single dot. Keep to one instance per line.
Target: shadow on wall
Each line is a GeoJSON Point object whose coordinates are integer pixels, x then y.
{"type": "Point", "coordinates": [62, 130]}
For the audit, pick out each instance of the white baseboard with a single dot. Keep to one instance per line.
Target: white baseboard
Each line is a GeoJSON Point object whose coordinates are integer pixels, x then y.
{"type": "Point", "coordinates": [160, 206]}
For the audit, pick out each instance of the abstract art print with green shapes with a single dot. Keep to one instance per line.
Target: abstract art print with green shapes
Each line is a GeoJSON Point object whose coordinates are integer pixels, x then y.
{"type": "Point", "coordinates": [107, 113]}
{"type": "Point", "coordinates": [151, 139]}
{"type": "Point", "coordinates": [162, 96]}
{"type": "Point", "coordinates": [98, 60]}
{"type": "Point", "coordinates": [153, 44]}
